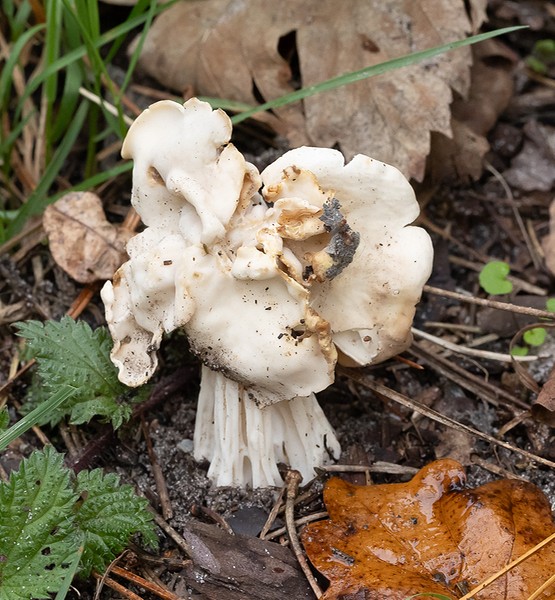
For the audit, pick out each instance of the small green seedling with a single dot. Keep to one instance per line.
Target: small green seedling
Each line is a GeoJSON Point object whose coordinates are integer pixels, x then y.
{"type": "Point", "coordinates": [534, 337]}
{"type": "Point", "coordinates": [493, 278]}
{"type": "Point", "coordinates": [542, 57]}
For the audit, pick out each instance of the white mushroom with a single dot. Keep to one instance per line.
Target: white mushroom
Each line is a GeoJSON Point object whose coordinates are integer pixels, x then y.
{"type": "Point", "coordinates": [267, 288]}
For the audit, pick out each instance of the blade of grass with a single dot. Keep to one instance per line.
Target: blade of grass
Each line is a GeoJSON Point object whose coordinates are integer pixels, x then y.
{"type": "Point", "coordinates": [396, 63]}
{"type": "Point", "coordinates": [133, 59]}
{"type": "Point", "coordinates": [35, 416]}
{"type": "Point", "coordinates": [51, 54]}
{"type": "Point", "coordinates": [139, 9]}
{"type": "Point", "coordinates": [38, 200]}
{"type": "Point", "coordinates": [9, 66]}
{"type": "Point", "coordinates": [72, 570]}
{"type": "Point", "coordinates": [17, 19]}
{"type": "Point", "coordinates": [80, 52]}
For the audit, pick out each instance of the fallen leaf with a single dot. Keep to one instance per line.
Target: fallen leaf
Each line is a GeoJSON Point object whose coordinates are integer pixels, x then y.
{"type": "Point", "coordinates": [461, 156]}
{"type": "Point", "coordinates": [82, 241]}
{"type": "Point", "coordinates": [548, 242]}
{"type": "Point", "coordinates": [210, 46]}
{"type": "Point", "coordinates": [431, 535]}
{"type": "Point", "coordinates": [543, 407]}
{"type": "Point", "coordinates": [238, 567]}
{"type": "Point", "coordinates": [533, 168]}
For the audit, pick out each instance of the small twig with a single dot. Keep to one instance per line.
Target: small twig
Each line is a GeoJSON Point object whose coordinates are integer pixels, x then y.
{"type": "Point", "coordinates": [508, 567]}
{"type": "Point", "coordinates": [386, 392]}
{"type": "Point", "coordinates": [144, 583]}
{"type": "Point", "coordinates": [453, 326]}
{"type": "Point", "coordinates": [478, 386]}
{"type": "Point", "coordinates": [292, 481]}
{"type": "Point", "coordinates": [522, 310]}
{"type": "Point", "coordinates": [159, 479]}
{"type": "Point", "coordinates": [544, 586]}
{"type": "Point", "coordinates": [298, 523]}
{"type": "Point", "coordinates": [104, 104]}
{"type": "Point", "coordinates": [212, 514]}
{"type": "Point", "coordinates": [273, 514]}
{"type": "Point", "coordinates": [516, 212]}
{"type": "Point", "coordinates": [517, 281]}
{"type": "Point", "coordinates": [128, 594]}
{"type": "Point", "coordinates": [486, 354]}
{"type": "Point", "coordinates": [179, 541]}
{"type": "Point", "coordinates": [496, 469]}
{"type": "Point", "coordinates": [376, 467]}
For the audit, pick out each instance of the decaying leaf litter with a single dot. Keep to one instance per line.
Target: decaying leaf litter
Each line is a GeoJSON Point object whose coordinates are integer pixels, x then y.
{"type": "Point", "coordinates": [472, 223]}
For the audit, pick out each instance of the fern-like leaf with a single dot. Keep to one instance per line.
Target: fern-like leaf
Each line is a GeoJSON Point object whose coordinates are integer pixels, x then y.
{"type": "Point", "coordinates": [70, 353]}
{"type": "Point", "coordinates": [37, 538]}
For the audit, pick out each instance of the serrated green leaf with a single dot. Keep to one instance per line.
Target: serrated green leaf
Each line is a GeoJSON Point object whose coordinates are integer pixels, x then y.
{"type": "Point", "coordinates": [37, 538]}
{"type": "Point", "coordinates": [109, 515]}
{"type": "Point", "coordinates": [70, 353]}
{"type": "Point", "coordinates": [493, 278]}
{"type": "Point", "coordinates": [535, 336]}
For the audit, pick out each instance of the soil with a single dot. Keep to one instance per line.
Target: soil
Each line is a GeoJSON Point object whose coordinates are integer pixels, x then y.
{"type": "Point", "coordinates": [466, 220]}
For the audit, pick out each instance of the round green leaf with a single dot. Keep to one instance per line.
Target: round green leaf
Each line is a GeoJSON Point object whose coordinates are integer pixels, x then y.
{"type": "Point", "coordinates": [550, 304]}
{"type": "Point", "coordinates": [519, 351]}
{"type": "Point", "coordinates": [535, 337]}
{"type": "Point", "coordinates": [493, 278]}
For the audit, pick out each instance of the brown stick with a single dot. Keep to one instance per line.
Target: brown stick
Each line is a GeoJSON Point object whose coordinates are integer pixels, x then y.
{"type": "Point", "coordinates": [292, 481]}
{"type": "Point", "coordinates": [523, 310]}
{"type": "Point", "coordinates": [159, 479]}
{"type": "Point", "coordinates": [386, 392]}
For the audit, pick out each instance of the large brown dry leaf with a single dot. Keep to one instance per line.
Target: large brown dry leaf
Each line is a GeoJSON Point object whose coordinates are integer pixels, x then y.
{"type": "Point", "coordinates": [431, 535]}
{"type": "Point", "coordinates": [235, 49]}
{"type": "Point", "coordinates": [460, 156]}
{"type": "Point", "coordinates": [82, 241]}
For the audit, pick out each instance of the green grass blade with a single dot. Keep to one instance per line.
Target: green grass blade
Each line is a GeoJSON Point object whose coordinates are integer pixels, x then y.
{"type": "Point", "coordinates": [35, 416]}
{"type": "Point", "coordinates": [71, 572]}
{"type": "Point", "coordinates": [134, 58]}
{"type": "Point", "coordinates": [79, 53]}
{"type": "Point", "coordinates": [9, 66]}
{"type": "Point", "coordinates": [140, 8]}
{"type": "Point", "coordinates": [51, 54]}
{"type": "Point", "coordinates": [389, 65]}
{"type": "Point", "coordinates": [38, 200]}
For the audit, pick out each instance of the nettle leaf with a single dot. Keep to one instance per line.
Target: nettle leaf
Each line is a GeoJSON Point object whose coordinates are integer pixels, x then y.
{"type": "Point", "coordinates": [70, 353]}
{"type": "Point", "coordinates": [38, 541]}
{"type": "Point", "coordinates": [109, 515]}
{"type": "Point", "coordinates": [48, 518]}
{"type": "Point", "coordinates": [493, 278]}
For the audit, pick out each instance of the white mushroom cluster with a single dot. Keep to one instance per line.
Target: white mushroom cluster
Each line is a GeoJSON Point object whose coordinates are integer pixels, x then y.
{"type": "Point", "coordinates": [274, 277]}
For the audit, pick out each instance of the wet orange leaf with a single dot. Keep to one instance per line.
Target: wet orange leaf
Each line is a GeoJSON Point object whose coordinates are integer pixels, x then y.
{"type": "Point", "coordinates": [432, 535]}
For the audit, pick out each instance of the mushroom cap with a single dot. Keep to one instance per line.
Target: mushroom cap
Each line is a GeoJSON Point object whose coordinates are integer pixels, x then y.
{"type": "Point", "coordinates": [370, 304]}
{"type": "Point", "coordinates": [184, 168]}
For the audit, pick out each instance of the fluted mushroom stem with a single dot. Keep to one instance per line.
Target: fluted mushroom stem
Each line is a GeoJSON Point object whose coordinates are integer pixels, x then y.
{"type": "Point", "coordinates": [244, 443]}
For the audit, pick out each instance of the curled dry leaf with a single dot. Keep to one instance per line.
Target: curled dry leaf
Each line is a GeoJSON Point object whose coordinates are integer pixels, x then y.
{"type": "Point", "coordinates": [431, 535]}
{"type": "Point", "coordinates": [209, 46]}
{"type": "Point", "coordinates": [85, 245]}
